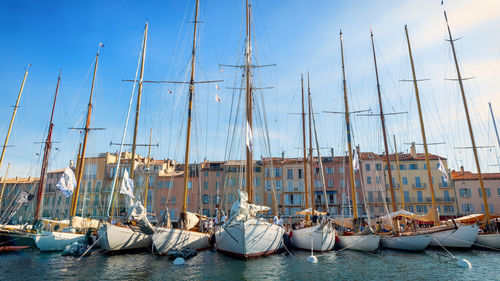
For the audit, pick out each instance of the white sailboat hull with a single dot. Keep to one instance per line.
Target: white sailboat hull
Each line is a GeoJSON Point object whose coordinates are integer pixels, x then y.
{"type": "Point", "coordinates": [250, 239]}
{"type": "Point", "coordinates": [323, 240]}
{"type": "Point", "coordinates": [408, 243]}
{"type": "Point", "coordinates": [489, 240]}
{"type": "Point", "coordinates": [122, 238]}
{"type": "Point", "coordinates": [365, 243]}
{"type": "Point", "coordinates": [462, 237]}
{"type": "Point", "coordinates": [56, 241]}
{"type": "Point", "coordinates": [165, 239]}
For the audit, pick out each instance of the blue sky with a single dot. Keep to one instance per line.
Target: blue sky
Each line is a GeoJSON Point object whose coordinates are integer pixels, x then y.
{"type": "Point", "coordinates": [297, 36]}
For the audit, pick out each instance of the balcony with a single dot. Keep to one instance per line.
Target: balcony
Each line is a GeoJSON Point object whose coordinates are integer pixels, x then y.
{"type": "Point", "coordinates": [419, 185]}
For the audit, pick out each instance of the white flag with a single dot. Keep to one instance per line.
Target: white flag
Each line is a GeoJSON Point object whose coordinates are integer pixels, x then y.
{"type": "Point", "coordinates": [23, 198]}
{"type": "Point", "coordinates": [217, 98]}
{"type": "Point", "coordinates": [67, 182]}
{"type": "Point", "coordinates": [249, 138]}
{"type": "Point", "coordinates": [355, 161]}
{"type": "Point", "coordinates": [127, 186]}
{"type": "Point", "coordinates": [443, 170]}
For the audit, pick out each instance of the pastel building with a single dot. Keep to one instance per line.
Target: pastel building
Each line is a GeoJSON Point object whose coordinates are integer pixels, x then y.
{"type": "Point", "coordinates": [469, 195]}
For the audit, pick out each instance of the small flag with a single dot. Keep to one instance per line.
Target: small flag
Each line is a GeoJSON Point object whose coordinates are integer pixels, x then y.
{"type": "Point", "coordinates": [355, 162]}
{"type": "Point", "coordinates": [67, 182]}
{"type": "Point", "coordinates": [221, 70]}
{"type": "Point", "coordinates": [217, 87]}
{"type": "Point", "coordinates": [169, 91]}
{"type": "Point", "coordinates": [127, 186]}
{"type": "Point", "coordinates": [249, 138]}
{"type": "Point", "coordinates": [101, 45]}
{"type": "Point", "coordinates": [217, 98]}
{"type": "Point", "coordinates": [443, 170]}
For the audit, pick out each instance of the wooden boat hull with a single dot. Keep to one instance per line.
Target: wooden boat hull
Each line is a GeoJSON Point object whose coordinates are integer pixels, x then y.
{"type": "Point", "coordinates": [17, 238]}
{"type": "Point", "coordinates": [166, 239]}
{"type": "Point", "coordinates": [323, 240]}
{"type": "Point", "coordinates": [250, 239]}
{"type": "Point", "coordinates": [121, 238]}
{"type": "Point", "coordinates": [407, 243]}
{"type": "Point", "coordinates": [365, 243]}
{"type": "Point", "coordinates": [488, 240]}
{"type": "Point", "coordinates": [462, 237]}
{"type": "Point", "coordinates": [49, 241]}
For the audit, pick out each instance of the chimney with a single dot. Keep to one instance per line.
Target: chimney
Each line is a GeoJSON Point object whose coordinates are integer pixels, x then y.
{"type": "Point", "coordinates": [413, 151]}
{"type": "Point", "coordinates": [462, 170]}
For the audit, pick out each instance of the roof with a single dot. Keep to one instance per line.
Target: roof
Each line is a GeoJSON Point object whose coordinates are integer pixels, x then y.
{"type": "Point", "coordinates": [466, 175]}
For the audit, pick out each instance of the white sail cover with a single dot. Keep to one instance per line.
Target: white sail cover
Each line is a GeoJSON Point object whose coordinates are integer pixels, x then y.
{"type": "Point", "coordinates": [138, 213]}
{"type": "Point", "coordinates": [242, 210]}
{"type": "Point", "coordinates": [67, 182]}
{"type": "Point", "coordinates": [127, 186]}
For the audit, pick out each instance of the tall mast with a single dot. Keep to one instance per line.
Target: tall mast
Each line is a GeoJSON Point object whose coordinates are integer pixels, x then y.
{"type": "Point", "coordinates": [494, 124]}
{"type": "Point", "coordinates": [382, 120]}
{"type": "Point", "coordinates": [311, 179]}
{"type": "Point", "coordinates": [422, 129]}
{"type": "Point", "coordinates": [13, 115]}
{"type": "Point", "coordinates": [190, 108]}
{"type": "Point", "coordinates": [306, 184]}
{"type": "Point", "coordinates": [3, 185]}
{"type": "Point", "coordinates": [138, 108]}
{"type": "Point", "coordinates": [85, 137]}
{"type": "Point", "coordinates": [469, 124]}
{"type": "Point", "coordinates": [399, 174]}
{"type": "Point", "coordinates": [45, 161]}
{"type": "Point", "coordinates": [147, 173]}
{"type": "Point", "coordinates": [348, 129]}
{"type": "Point", "coordinates": [248, 88]}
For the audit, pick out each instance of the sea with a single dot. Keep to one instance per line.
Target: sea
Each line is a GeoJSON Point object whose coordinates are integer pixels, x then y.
{"type": "Point", "coordinates": [431, 264]}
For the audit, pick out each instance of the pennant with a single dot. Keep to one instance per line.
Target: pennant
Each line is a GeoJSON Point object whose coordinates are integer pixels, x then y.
{"type": "Point", "coordinates": [127, 186]}
{"type": "Point", "coordinates": [443, 170]}
{"type": "Point", "coordinates": [217, 87]}
{"type": "Point", "coordinates": [67, 182]}
{"type": "Point", "coordinates": [217, 98]}
{"type": "Point", "coordinates": [169, 91]}
{"type": "Point", "coordinates": [249, 138]}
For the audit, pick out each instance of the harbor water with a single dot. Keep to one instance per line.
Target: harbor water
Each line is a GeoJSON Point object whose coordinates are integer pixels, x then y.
{"type": "Point", "coordinates": [211, 265]}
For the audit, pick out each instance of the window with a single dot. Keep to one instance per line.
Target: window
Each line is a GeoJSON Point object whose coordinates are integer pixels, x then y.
{"type": "Point", "coordinates": [163, 200]}
{"type": "Point", "coordinates": [301, 185]}
{"type": "Point", "coordinates": [215, 199]}
{"type": "Point", "coordinates": [498, 191]}
{"type": "Point", "coordinates": [368, 180]}
{"type": "Point", "coordinates": [257, 181]}
{"type": "Point", "coordinates": [189, 200]}
{"type": "Point", "coordinates": [421, 209]}
{"type": "Point", "coordinates": [98, 186]}
{"type": "Point", "coordinates": [444, 183]}
{"type": "Point", "coordinates": [367, 167]}
{"type": "Point", "coordinates": [257, 169]}
{"type": "Point", "coordinates": [329, 170]}
{"type": "Point", "coordinates": [405, 180]}
{"type": "Point", "coordinates": [467, 208]}
{"type": "Point", "coordinates": [330, 182]}
{"type": "Point", "coordinates": [413, 166]}
{"type": "Point", "coordinates": [420, 197]}
{"type": "Point", "coordinates": [217, 174]}
{"type": "Point", "coordinates": [277, 172]}
{"type": "Point", "coordinates": [206, 173]}
{"type": "Point", "coordinates": [341, 169]}
{"type": "Point", "coordinates": [257, 198]}
{"type": "Point", "coordinates": [173, 200]}
{"type": "Point", "coordinates": [488, 193]}
{"type": "Point", "coordinates": [377, 179]}
{"type": "Point", "coordinates": [417, 182]}
{"type": "Point", "coordinates": [190, 185]}
{"type": "Point", "coordinates": [425, 166]}
{"type": "Point", "coordinates": [217, 185]}
{"type": "Point", "coordinates": [370, 196]}
{"type": "Point", "coordinates": [268, 173]}
{"type": "Point", "coordinates": [90, 171]}
{"type": "Point", "coordinates": [490, 207]}
{"type": "Point", "coordinates": [464, 192]}
{"type": "Point", "coordinates": [402, 167]}
{"type": "Point", "coordinates": [300, 173]}
{"type": "Point", "coordinates": [446, 194]}
{"type": "Point", "coordinates": [278, 185]}
{"type": "Point", "coordinates": [205, 185]}
{"type": "Point", "coordinates": [290, 185]}
{"type": "Point", "coordinates": [206, 212]}
{"type": "Point", "coordinates": [316, 170]}
{"type": "Point", "coordinates": [448, 208]}
{"type": "Point", "coordinates": [206, 199]}
{"type": "Point", "coordinates": [342, 183]}
{"type": "Point", "coordinates": [317, 183]}
{"type": "Point", "coordinates": [357, 183]}
{"type": "Point", "coordinates": [406, 195]}
{"type": "Point", "coordinates": [268, 185]}
{"type": "Point", "coordinates": [289, 174]}
{"type": "Point", "coordinates": [378, 167]}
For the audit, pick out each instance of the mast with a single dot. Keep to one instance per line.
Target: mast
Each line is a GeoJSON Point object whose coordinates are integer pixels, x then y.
{"type": "Point", "coordinates": [422, 129]}
{"type": "Point", "coordinates": [3, 185]}
{"type": "Point", "coordinates": [494, 124]}
{"type": "Point", "coordinates": [311, 179]}
{"type": "Point", "coordinates": [399, 174]}
{"type": "Point", "coordinates": [45, 161]}
{"type": "Point", "coordinates": [382, 120]}
{"type": "Point", "coordinates": [190, 108]}
{"type": "Point", "coordinates": [469, 124]}
{"type": "Point", "coordinates": [147, 173]}
{"type": "Point", "coordinates": [138, 108]}
{"type": "Point", "coordinates": [13, 115]}
{"type": "Point", "coordinates": [86, 130]}
{"type": "Point", "coordinates": [248, 88]}
{"type": "Point", "coordinates": [348, 130]}
{"type": "Point", "coordinates": [306, 184]}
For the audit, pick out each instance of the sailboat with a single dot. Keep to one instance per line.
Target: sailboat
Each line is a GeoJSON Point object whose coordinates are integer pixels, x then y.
{"type": "Point", "coordinates": [365, 241]}
{"type": "Point", "coordinates": [58, 240]}
{"type": "Point", "coordinates": [167, 238]}
{"type": "Point", "coordinates": [396, 240]}
{"type": "Point", "coordinates": [455, 235]}
{"type": "Point", "coordinates": [245, 235]}
{"type": "Point", "coordinates": [322, 235]}
{"type": "Point", "coordinates": [113, 236]}
{"type": "Point", "coordinates": [486, 237]}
